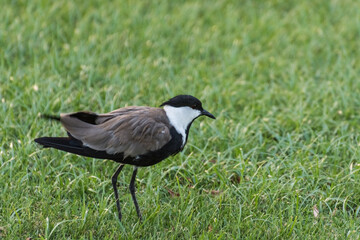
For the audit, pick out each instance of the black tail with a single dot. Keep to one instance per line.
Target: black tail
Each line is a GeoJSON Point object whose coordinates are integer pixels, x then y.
{"type": "Point", "coordinates": [62, 143]}
{"type": "Point", "coordinates": [50, 117]}
{"type": "Point", "coordinates": [72, 145]}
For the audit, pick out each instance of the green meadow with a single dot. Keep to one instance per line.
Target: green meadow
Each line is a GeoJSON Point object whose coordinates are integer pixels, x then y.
{"type": "Point", "coordinates": [281, 161]}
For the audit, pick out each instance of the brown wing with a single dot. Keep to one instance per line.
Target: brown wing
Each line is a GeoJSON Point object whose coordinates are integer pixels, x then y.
{"type": "Point", "coordinates": [131, 130]}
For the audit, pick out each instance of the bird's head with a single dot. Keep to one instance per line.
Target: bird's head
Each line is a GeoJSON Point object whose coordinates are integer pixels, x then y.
{"type": "Point", "coordinates": [185, 109]}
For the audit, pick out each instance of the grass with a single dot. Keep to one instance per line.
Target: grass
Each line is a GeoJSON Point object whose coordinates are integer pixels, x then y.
{"type": "Point", "coordinates": [282, 77]}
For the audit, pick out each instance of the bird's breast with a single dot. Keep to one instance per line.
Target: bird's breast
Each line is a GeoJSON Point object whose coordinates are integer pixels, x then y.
{"type": "Point", "coordinates": [174, 146]}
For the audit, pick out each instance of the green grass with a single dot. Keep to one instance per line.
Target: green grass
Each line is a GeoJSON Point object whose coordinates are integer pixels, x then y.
{"type": "Point", "coordinates": [282, 78]}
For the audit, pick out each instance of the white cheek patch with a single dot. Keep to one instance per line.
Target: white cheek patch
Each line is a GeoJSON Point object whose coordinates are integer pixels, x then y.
{"type": "Point", "coordinates": [181, 117]}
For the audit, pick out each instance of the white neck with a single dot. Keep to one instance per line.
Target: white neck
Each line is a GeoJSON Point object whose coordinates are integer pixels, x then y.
{"type": "Point", "coordinates": [180, 118]}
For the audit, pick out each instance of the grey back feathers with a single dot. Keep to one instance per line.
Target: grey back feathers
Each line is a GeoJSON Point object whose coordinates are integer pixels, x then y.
{"type": "Point", "coordinates": [131, 130]}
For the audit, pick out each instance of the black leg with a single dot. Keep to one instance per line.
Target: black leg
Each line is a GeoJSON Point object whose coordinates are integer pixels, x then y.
{"type": "Point", "coordinates": [114, 181]}
{"type": "Point", "coordinates": [132, 191]}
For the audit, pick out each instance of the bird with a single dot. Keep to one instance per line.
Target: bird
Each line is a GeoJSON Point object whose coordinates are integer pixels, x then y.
{"type": "Point", "coordinates": [140, 136]}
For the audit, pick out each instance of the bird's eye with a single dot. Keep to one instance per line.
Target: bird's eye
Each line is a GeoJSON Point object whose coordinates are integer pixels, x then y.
{"type": "Point", "coordinates": [193, 106]}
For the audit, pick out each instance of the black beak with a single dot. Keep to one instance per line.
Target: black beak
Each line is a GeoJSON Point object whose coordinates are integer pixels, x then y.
{"type": "Point", "coordinates": [206, 113]}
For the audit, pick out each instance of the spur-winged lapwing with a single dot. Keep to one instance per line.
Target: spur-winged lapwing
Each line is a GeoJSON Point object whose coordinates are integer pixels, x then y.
{"type": "Point", "coordinates": [139, 136]}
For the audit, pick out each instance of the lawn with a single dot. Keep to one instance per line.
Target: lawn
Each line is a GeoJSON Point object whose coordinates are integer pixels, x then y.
{"type": "Point", "coordinates": [281, 161]}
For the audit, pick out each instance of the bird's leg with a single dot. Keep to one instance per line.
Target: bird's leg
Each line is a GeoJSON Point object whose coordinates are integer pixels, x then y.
{"type": "Point", "coordinates": [114, 181]}
{"type": "Point", "coordinates": [132, 191]}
